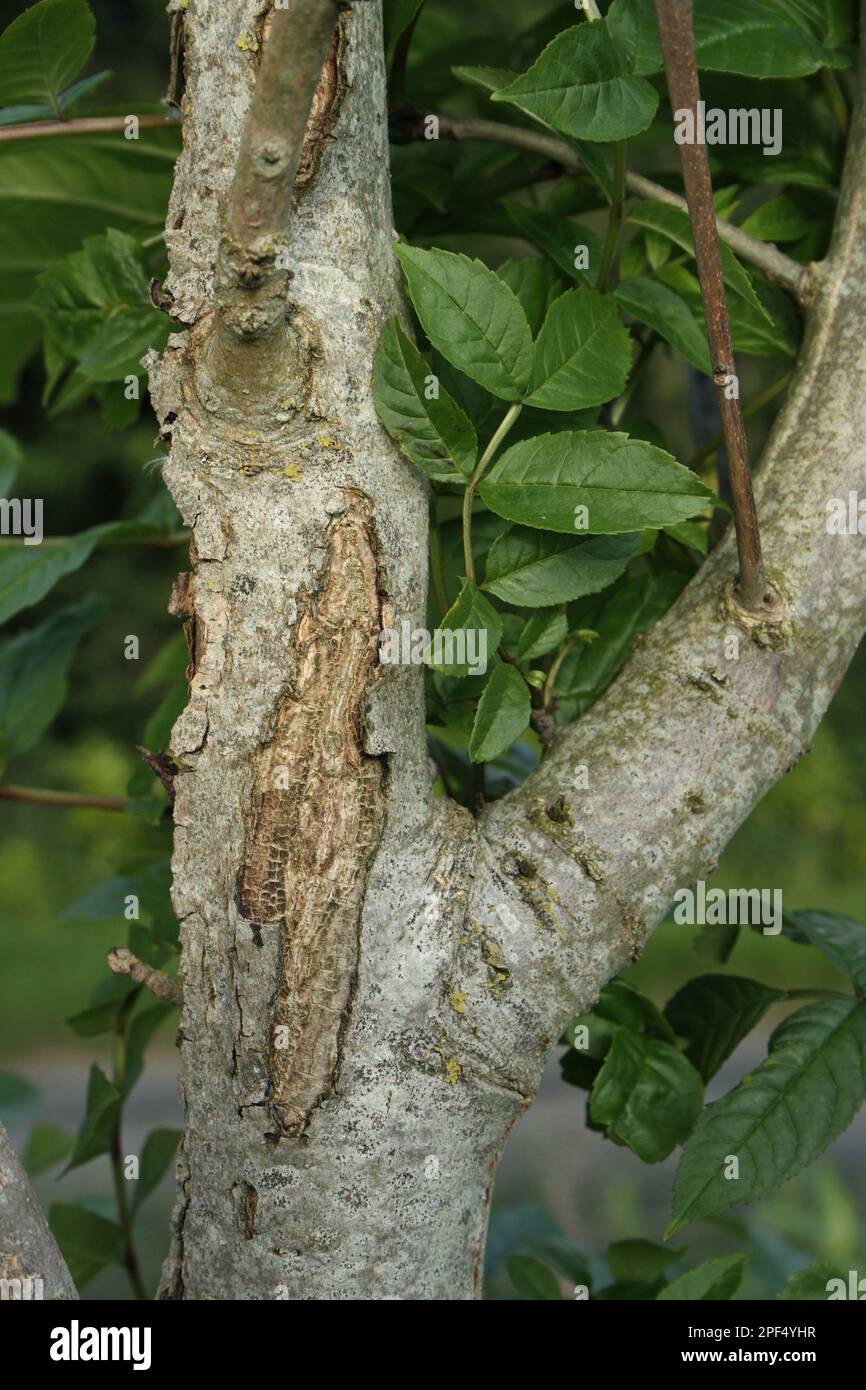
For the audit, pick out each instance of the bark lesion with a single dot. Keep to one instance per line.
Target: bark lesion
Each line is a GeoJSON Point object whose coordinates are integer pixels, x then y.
{"type": "Point", "coordinates": [319, 819]}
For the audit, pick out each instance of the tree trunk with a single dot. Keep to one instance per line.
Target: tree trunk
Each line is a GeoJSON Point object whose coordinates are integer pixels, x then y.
{"type": "Point", "coordinates": [371, 981]}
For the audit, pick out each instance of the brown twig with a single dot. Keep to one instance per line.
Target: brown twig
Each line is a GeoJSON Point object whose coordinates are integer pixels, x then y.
{"type": "Point", "coordinates": [678, 48]}
{"type": "Point", "coordinates": [70, 800]}
{"type": "Point", "coordinates": [776, 265]}
{"type": "Point", "coordinates": [84, 125]}
{"type": "Point", "coordinates": [123, 962]}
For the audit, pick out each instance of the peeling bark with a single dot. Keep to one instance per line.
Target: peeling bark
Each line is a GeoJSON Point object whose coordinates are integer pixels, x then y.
{"type": "Point", "coordinates": [420, 964]}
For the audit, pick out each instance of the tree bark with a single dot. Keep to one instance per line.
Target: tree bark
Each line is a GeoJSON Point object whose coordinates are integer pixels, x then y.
{"type": "Point", "coordinates": [372, 981]}
{"type": "Point", "coordinates": [31, 1265]}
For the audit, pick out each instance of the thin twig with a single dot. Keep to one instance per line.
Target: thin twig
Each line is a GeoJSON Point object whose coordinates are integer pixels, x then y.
{"type": "Point", "coordinates": [469, 495]}
{"type": "Point", "coordinates": [751, 409]}
{"type": "Point", "coordinates": [122, 962]}
{"type": "Point", "coordinates": [678, 47]}
{"type": "Point", "coordinates": [83, 125]}
{"type": "Point", "coordinates": [777, 266]}
{"type": "Point", "coordinates": [615, 215]}
{"type": "Point", "coordinates": [69, 800]}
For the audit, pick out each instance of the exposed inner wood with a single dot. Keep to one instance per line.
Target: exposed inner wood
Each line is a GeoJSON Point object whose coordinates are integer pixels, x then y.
{"type": "Point", "coordinates": [319, 822]}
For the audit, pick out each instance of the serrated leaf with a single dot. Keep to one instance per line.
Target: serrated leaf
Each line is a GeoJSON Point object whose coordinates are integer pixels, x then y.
{"type": "Point", "coordinates": [632, 607]}
{"type": "Point", "coordinates": [674, 223]}
{"type": "Point", "coordinates": [779, 219]}
{"type": "Point", "coordinates": [717, 1279]}
{"type": "Point", "coordinates": [567, 244]}
{"type": "Point", "coordinates": [96, 308]}
{"type": "Point", "coordinates": [534, 569]}
{"type": "Point", "coordinates": [87, 1242]}
{"type": "Point", "coordinates": [531, 1278]}
{"type": "Point", "coordinates": [780, 1116]}
{"type": "Point", "coordinates": [484, 78]}
{"type": "Point", "coordinates": [840, 938]}
{"type": "Point", "coordinates": [542, 634]}
{"type": "Point", "coordinates": [647, 1095]}
{"type": "Point", "coordinates": [502, 715]}
{"type": "Point", "coordinates": [33, 673]}
{"type": "Point", "coordinates": [471, 317]}
{"type": "Point", "coordinates": [159, 1150]}
{"type": "Point", "coordinates": [661, 308]}
{"type": "Point", "coordinates": [582, 355]}
{"type": "Point", "coordinates": [581, 86]}
{"type": "Point", "coordinates": [811, 1283]}
{"type": "Point", "coordinates": [624, 484]}
{"type": "Point", "coordinates": [471, 612]}
{"type": "Point", "coordinates": [713, 1013]}
{"type": "Point", "coordinates": [536, 282]}
{"type": "Point", "coordinates": [433, 431]}
{"type": "Point", "coordinates": [43, 50]}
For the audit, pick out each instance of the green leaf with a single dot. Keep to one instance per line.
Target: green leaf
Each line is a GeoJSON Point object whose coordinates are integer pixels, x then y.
{"type": "Point", "coordinates": [46, 1145]}
{"type": "Point", "coordinates": [87, 1242]}
{"type": "Point", "coordinates": [779, 219]}
{"type": "Point", "coordinates": [433, 431]}
{"type": "Point", "coordinates": [582, 354]}
{"type": "Point", "coordinates": [502, 714]}
{"type": "Point", "coordinates": [159, 1150]}
{"type": "Point", "coordinates": [640, 1261]}
{"type": "Point", "coordinates": [484, 78]}
{"type": "Point", "coordinates": [758, 38]}
{"type": "Point", "coordinates": [780, 1116]}
{"type": "Point", "coordinates": [470, 612]}
{"type": "Point", "coordinates": [542, 634]}
{"type": "Point", "coordinates": [661, 308]}
{"type": "Point", "coordinates": [33, 673]}
{"type": "Point", "coordinates": [141, 1030]}
{"type": "Point", "coordinates": [536, 284]}
{"type": "Point", "coordinates": [531, 1278]}
{"type": "Point", "coordinates": [101, 1114]}
{"type": "Point", "coordinates": [29, 572]}
{"type": "Point", "coordinates": [811, 1283]}
{"type": "Point", "coordinates": [647, 1095]}
{"type": "Point", "coordinates": [714, 1013]}
{"type": "Point", "coordinates": [56, 192]}
{"type": "Point", "coordinates": [98, 1018]}
{"type": "Point", "coordinates": [840, 938]}
{"type": "Point", "coordinates": [397, 15]}
{"type": "Point", "coordinates": [623, 484]}
{"type": "Point", "coordinates": [11, 460]}
{"type": "Point", "coordinates": [717, 1279]}
{"type": "Point", "coordinates": [674, 223]}
{"type": "Point", "coordinates": [752, 331]}
{"type": "Point", "coordinates": [96, 308]}
{"type": "Point", "coordinates": [574, 249]}
{"type": "Point", "coordinates": [689, 533]}
{"type": "Point", "coordinates": [632, 26]}
{"type": "Point", "coordinates": [534, 569]}
{"type": "Point", "coordinates": [471, 317]}
{"type": "Point", "coordinates": [580, 85]}
{"type": "Point", "coordinates": [631, 608]}
{"type": "Point", "coordinates": [43, 50]}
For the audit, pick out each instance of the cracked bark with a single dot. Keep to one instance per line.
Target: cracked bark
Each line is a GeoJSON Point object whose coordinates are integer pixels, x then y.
{"type": "Point", "coordinates": [28, 1250]}
{"type": "Point", "coordinates": [381, 1187]}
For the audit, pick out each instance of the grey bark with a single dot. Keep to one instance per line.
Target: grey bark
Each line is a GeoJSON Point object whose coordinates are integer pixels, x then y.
{"type": "Point", "coordinates": [31, 1265]}
{"type": "Point", "coordinates": [463, 947]}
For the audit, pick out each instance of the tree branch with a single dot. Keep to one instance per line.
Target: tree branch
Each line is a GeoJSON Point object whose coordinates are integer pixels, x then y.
{"type": "Point", "coordinates": [84, 125]}
{"type": "Point", "coordinates": [28, 1250]}
{"type": "Point", "coordinates": [38, 796]}
{"type": "Point", "coordinates": [796, 278]}
{"type": "Point", "coordinates": [121, 961]}
{"type": "Point", "coordinates": [697, 729]}
{"type": "Point", "coordinates": [251, 277]}
{"type": "Point", "coordinates": [678, 46]}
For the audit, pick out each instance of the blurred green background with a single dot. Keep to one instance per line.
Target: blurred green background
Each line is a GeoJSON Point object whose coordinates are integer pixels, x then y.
{"type": "Point", "coordinates": [808, 837]}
